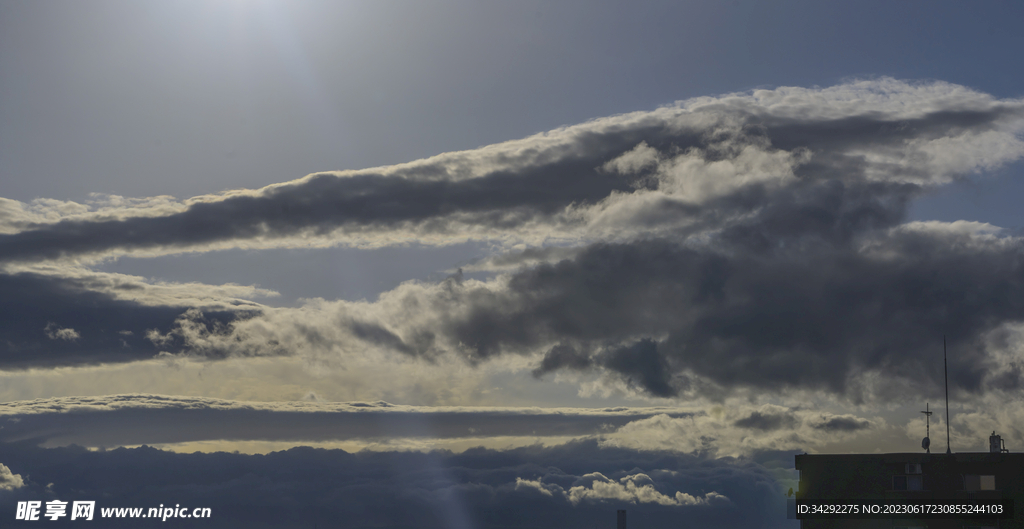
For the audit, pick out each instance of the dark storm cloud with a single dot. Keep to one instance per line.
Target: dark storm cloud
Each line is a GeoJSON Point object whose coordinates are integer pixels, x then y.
{"type": "Point", "coordinates": [642, 365]}
{"type": "Point", "coordinates": [818, 284]}
{"type": "Point", "coordinates": [843, 424]}
{"type": "Point", "coordinates": [757, 241]}
{"type": "Point", "coordinates": [477, 488]}
{"type": "Point", "coordinates": [563, 357]}
{"type": "Point", "coordinates": [872, 129]}
{"type": "Point", "coordinates": [151, 419]}
{"type": "Point", "coordinates": [508, 186]}
{"type": "Point", "coordinates": [812, 313]}
{"type": "Point", "coordinates": [324, 202]}
{"type": "Point", "coordinates": [49, 321]}
{"type": "Point", "coordinates": [768, 421]}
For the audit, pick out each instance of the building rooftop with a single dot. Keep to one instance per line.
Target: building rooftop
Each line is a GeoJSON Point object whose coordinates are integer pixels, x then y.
{"type": "Point", "coordinates": [962, 476]}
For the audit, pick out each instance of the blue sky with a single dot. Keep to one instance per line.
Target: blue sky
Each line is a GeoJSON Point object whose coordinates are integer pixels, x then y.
{"type": "Point", "coordinates": [697, 217]}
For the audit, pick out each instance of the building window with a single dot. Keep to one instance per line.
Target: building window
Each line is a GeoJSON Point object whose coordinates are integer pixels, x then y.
{"type": "Point", "coordinates": [907, 483]}
{"type": "Point", "coordinates": [975, 482]}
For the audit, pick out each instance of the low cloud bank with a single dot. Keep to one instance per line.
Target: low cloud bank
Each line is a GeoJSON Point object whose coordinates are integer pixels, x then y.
{"type": "Point", "coordinates": [129, 420]}
{"type": "Point", "coordinates": [477, 488]}
{"type": "Point", "coordinates": [735, 431]}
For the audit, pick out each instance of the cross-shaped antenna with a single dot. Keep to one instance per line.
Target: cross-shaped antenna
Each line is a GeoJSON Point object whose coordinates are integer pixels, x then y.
{"type": "Point", "coordinates": [927, 428]}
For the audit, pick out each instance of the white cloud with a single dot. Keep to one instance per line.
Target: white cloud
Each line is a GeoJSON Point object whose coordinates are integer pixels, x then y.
{"type": "Point", "coordinates": [637, 489]}
{"type": "Point", "coordinates": [55, 332]}
{"type": "Point", "coordinates": [547, 489]}
{"type": "Point", "coordinates": [148, 292]}
{"type": "Point", "coordinates": [642, 157]}
{"type": "Point", "coordinates": [10, 480]}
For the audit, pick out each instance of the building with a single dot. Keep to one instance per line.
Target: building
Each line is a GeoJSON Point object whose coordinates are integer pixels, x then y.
{"type": "Point", "coordinates": [965, 477]}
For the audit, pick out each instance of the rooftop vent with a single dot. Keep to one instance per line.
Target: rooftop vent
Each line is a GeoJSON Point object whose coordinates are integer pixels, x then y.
{"type": "Point", "coordinates": [995, 444]}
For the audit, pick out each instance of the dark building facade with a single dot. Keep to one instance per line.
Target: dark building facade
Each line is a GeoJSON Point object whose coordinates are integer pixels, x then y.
{"type": "Point", "coordinates": [913, 476]}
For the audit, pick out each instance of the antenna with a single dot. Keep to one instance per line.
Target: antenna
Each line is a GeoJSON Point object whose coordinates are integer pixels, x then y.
{"type": "Point", "coordinates": [926, 443]}
{"type": "Point", "coordinates": [945, 369]}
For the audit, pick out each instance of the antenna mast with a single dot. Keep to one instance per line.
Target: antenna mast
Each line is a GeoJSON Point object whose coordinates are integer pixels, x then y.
{"type": "Point", "coordinates": [927, 442]}
{"type": "Point", "coordinates": [945, 369]}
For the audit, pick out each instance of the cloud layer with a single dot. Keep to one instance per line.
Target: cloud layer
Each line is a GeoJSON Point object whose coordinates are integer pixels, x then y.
{"type": "Point", "coordinates": [738, 430]}
{"type": "Point", "coordinates": [127, 420]}
{"type": "Point", "coordinates": [751, 242]}
{"type": "Point", "coordinates": [690, 161]}
{"type": "Point", "coordinates": [478, 488]}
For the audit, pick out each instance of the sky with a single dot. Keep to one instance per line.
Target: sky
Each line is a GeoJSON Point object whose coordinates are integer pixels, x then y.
{"type": "Point", "coordinates": [518, 264]}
